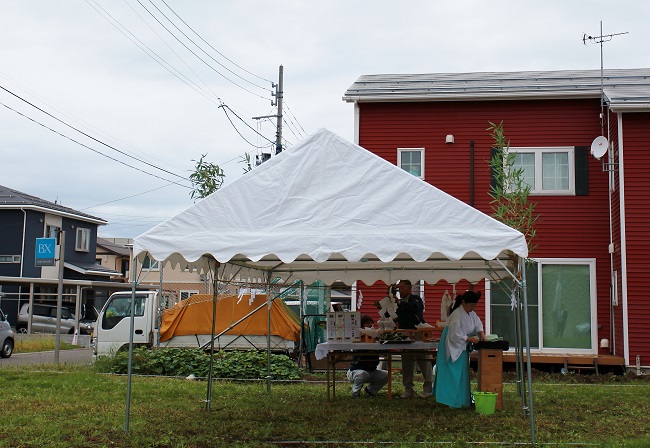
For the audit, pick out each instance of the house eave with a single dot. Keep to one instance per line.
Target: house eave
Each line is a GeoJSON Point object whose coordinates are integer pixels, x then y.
{"type": "Point", "coordinates": [389, 97]}
{"type": "Point", "coordinates": [50, 211]}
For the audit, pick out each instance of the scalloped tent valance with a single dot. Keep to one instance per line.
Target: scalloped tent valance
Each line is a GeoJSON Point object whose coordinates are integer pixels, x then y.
{"type": "Point", "coordinates": [329, 209]}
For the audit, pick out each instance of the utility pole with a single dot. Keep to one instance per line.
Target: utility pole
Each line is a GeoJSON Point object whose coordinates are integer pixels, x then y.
{"type": "Point", "coordinates": [59, 297]}
{"type": "Point", "coordinates": [278, 94]}
{"type": "Point", "coordinates": [278, 100]}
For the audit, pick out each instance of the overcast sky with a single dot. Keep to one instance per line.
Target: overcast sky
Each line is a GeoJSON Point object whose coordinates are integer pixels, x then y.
{"type": "Point", "coordinates": [144, 98]}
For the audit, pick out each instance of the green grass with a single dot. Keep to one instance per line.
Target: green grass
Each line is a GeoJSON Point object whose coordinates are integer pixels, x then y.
{"type": "Point", "coordinates": [68, 406]}
{"type": "Point", "coordinates": [39, 345]}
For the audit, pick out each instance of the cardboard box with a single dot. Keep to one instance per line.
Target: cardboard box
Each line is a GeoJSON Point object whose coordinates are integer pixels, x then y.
{"type": "Point", "coordinates": [343, 326]}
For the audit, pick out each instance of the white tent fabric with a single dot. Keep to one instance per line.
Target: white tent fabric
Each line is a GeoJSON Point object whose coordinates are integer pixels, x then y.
{"type": "Point", "coordinates": [329, 209]}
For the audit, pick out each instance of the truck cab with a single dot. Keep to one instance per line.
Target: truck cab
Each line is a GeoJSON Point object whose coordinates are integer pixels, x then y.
{"type": "Point", "coordinates": [112, 330]}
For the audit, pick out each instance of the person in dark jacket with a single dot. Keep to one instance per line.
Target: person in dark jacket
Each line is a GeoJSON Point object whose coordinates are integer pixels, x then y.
{"type": "Point", "coordinates": [410, 311]}
{"type": "Point", "coordinates": [364, 369]}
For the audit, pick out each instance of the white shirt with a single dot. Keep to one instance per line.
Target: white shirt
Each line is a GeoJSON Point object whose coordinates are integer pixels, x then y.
{"type": "Point", "coordinates": [461, 325]}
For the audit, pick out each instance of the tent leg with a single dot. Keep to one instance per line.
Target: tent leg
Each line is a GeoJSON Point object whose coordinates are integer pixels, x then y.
{"type": "Point", "coordinates": [519, 350]}
{"type": "Point", "coordinates": [131, 326]}
{"type": "Point", "coordinates": [302, 325]}
{"type": "Point", "coordinates": [208, 399]}
{"type": "Point", "coordinates": [268, 333]}
{"type": "Point", "coordinates": [528, 362]}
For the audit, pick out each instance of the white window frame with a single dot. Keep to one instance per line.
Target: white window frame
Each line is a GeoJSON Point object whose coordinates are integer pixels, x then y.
{"type": "Point", "coordinates": [188, 292]}
{"type": "Point", "coordinates": [592, 303]}
{"type": "Point", "coordinates": [152, 265]}
{"type": "Point", "coordinates": [538, 189]}
{"type": "Point", "coordinates": [82, 239]}
{"type": "Point", "coordinates": [399, 159]}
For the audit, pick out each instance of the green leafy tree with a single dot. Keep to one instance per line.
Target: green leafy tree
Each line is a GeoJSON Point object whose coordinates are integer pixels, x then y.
{"type": "Point", "coordinates": [510, 192]}
{"type": "Point", "coordinates": [206, 179]}
{"type": "Point", "coordinates": [246, 160]}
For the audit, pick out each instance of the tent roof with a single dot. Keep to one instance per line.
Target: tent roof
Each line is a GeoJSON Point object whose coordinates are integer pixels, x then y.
{"type": "Point", "coordinates": [329, 209]}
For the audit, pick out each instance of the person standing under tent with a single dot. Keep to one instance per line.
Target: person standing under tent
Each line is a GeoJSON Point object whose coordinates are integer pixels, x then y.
{"type": "Point", "coordinates": [410, 311]}
{"type": "Point", "coordinates": [364, 370]}
{"type": "Point", "coordinates": [452, 366]}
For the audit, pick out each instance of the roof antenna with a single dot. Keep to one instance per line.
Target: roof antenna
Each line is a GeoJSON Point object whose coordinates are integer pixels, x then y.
{"type": "Point", "coordinates": [599, 40]}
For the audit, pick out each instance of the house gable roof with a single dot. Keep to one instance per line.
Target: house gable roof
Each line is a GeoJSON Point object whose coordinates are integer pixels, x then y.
{"type": "Point", "coordinates": [14, 199]}
{"type": "Point", "coordinates": [110, 246]}
{"type": "Point", "coordinates": [630, 87]}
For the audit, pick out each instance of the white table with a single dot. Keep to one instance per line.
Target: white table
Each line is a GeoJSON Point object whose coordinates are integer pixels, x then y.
{"type": "Point", "coordinates": [338, 351]}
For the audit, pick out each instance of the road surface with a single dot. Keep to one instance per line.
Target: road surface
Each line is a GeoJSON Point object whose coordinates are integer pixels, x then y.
{"type": "Point", "coordinates": [75, 356]}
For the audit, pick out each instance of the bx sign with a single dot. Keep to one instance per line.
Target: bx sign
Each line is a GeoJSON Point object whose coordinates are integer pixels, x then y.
{"type": "Point", "coordinates": [45, 251]}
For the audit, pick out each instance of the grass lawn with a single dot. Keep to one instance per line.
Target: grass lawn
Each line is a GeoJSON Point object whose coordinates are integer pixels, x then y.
{"type": "Point", "coordinates": [59, 406]}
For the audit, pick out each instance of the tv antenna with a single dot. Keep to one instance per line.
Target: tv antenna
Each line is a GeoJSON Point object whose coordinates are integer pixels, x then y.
{"type": "Point", "coordinates": [600, 40]}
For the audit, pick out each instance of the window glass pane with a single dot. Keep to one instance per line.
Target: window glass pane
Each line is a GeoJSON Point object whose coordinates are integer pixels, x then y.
{"type": "Point", "coordinates": [566, 308]}
{"type": "Point", "coordinates": [502, 315]}
{"type": "Point", "coordinates": [148, 263]}
{"type": "Point", "coordinates": [526, 162]}
{"type": "Point", "coordinates": [555, 171]}
{"type": "Point", "coordinates": [411, 161]}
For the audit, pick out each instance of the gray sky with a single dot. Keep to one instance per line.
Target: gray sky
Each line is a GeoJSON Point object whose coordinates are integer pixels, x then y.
{"type": "Point", "coordinates": [159, 110]}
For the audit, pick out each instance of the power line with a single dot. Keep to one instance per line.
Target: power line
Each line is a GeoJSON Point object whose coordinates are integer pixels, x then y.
{"type": "Point", "coordinates": [82, 122]}
{"type": "Point", "coordinates": [298, 123]}
{"type": "Point", "coordinates": [199, 57]}
{"type": "Point", "coordinates": [173, 51]}
{"type": "Point", "coordinates": [92, 149]}
{"type": "Point", "coordinates": [208, 44]}
{"type": "Point", "coordinates": [127, 197]}
{"type": "Point", "coordinates": [224, 106]}
{"type": "Point", "coordinates": [90, 136]}
{"type": "Point", "coordinates": [153, 55]}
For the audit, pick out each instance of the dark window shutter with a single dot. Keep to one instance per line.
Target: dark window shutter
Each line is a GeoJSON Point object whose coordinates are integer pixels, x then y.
{"type": "Point", "coordinates": [582, 170]}
{"type": "Point", "coordinates": [493, 179]}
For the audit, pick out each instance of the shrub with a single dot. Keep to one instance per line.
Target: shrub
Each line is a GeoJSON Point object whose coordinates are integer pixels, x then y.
{"type": "Point", "coordinates": [184, 362]}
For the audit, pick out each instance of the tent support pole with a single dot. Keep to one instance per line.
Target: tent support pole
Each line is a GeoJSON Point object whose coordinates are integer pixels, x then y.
{"type": "Point", "coordinates": [302, 324]}
{"type": "Point", "coordinates": [521, 381]}
{"type": "Point", "coordinates": [131, 329]}
{"type": "Point", "coordinates": [528, 362]}
{"type": "Point", "coordinates": [208, 399]}
{"type": "Point", "coordinates": [269, 300]}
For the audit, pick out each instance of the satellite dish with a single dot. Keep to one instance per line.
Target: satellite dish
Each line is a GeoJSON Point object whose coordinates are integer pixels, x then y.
{"type": "Point", "coordinates": [599, 147]}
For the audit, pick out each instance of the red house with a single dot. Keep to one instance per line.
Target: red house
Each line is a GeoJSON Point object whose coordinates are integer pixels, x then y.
{"type": "Point", "coordinates": [587, 288]}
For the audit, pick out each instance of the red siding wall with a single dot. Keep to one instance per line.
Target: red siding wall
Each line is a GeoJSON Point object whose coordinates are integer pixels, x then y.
{"type": "Point", "coordinates": [569, 226]}
{"type": "Point", "coordinates": [636, 159]}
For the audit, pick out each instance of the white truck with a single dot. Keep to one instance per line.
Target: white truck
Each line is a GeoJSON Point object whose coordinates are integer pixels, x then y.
{"type": "Point", "coordinates": [113, 324]}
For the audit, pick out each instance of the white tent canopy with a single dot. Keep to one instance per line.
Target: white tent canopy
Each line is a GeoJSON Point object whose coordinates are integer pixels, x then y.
{"type": "Point", "coordinates": [328, 209]}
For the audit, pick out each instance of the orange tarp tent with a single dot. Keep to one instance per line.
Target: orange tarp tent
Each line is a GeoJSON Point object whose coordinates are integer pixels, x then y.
{"type": "Point", "coordinates": [194, 316]}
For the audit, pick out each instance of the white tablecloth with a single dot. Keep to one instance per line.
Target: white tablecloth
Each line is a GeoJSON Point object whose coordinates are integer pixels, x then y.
{"type": "Point", "coordinates": [323, 348]}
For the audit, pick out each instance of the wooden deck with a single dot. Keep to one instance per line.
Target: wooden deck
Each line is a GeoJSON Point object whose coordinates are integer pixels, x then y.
{"type": "Point", "coordinates": [557, 361]}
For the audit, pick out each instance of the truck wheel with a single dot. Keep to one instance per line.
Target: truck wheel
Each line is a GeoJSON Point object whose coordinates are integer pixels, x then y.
{"type": "Point", "coordinates": [7, 348]}
{"type": "Point", "coordinates": [21, 329]}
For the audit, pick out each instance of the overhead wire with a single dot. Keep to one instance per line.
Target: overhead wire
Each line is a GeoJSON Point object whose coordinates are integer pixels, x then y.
{"type": "Point", "coordinates": [81, 121]}
{"type": "Point", "coordinates": [126, 197]}
{"type": "Point", "coordinates": [90, 136]}
{"type": "Point", "coordinates": [92, 149]}
{"type": "Point", "coordinates": [152, 54]}
{"type": "Point", "coordinates": [294, 116]}
{"type": "Point", "coordinates": [217, 51]}
{"type": "Point", "coordinates": [225, 106]}
{"type": "Point", "coordinates": [165, 64]}
{"type": "Point", "coordinates": [199, 57]}
{"type": "Point", "coordinates": [172, 50]}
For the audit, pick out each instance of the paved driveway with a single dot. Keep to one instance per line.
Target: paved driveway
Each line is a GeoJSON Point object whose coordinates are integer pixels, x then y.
{"type": "Point", "coordinates": [76, 356]}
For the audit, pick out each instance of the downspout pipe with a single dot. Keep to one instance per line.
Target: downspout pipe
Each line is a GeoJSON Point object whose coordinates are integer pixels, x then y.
{"type": "Point", "coordinates": [471, 173]}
